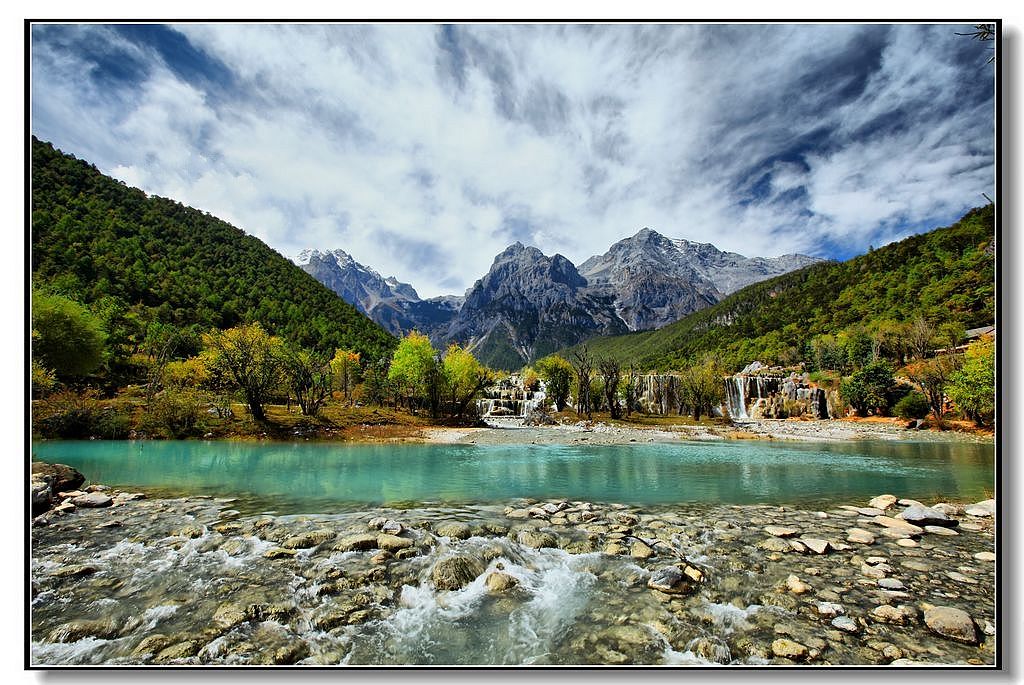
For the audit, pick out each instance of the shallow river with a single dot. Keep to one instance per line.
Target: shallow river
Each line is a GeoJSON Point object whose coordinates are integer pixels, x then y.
{"type": "Point", "coordinates": [199, 573]}
{"type": "Point", "coordinates": [328, 477]}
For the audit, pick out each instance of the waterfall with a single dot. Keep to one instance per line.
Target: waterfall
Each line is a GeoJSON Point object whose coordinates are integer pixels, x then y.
{"type": "Point", "coordinates": [771, 394]}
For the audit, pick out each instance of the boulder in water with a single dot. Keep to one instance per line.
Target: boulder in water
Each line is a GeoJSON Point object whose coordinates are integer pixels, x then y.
{"type": "Point", "coordinates": [952, 623]}
{"type": "Point", "coordinates": [455, 572]}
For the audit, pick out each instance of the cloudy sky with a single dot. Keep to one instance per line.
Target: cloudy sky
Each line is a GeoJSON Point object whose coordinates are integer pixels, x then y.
{"type": "Point", "coordinates": [424, 150]}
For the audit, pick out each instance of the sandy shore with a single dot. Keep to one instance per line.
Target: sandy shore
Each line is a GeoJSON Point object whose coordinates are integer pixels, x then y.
{"type": "Point", "coordinates": [510, 431]}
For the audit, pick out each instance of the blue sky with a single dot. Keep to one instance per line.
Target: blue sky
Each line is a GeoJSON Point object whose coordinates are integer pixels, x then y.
{"type": "Point", "coordinates": [424, 150]}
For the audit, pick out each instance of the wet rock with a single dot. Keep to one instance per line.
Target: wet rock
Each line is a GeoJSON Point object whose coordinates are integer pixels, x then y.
{"type": "Point", "coordinates": [554, 507]}
{"type": "Point", "coordinates": [41, 495]}
{"type": "Point", "coordinates": [190, 531]}
{"type": "Point", "coordinates": [61, 477]}
{"type": "Point", "coordinates": [290, 653]}
{"type": "Point", "coordinates": [152, 644]}
{"type": "Point", "coordinates": [940, 530]}
{"type": "Point", "coordinates": [73, 631]}
{"type": "Point", "coordinates": [641, 550]}
{"type": "Point", "coordinates": [901, 615]}
{"type": "Point", "coordinates": [870, 511]}
{"type": "Point", "coordinates": [985, 509]}
{"type": "Point", "coordinates": [626, 519]}
{"type": "Point", "coordinates": [491, 528]}
{"type": "Point", "coordinates": [580, 547]}
{"type": "Point", "coordinates": [926, 516]}
{"type": "Point", "coordinates": [907, 542]}
{"type": "Point", "coordinates": [829, 609]}
{"type": "Point", "coordinates": [816, 545]}
{"type": "Point", "coordinates": [797, 586]}
{"type": "Point", "coordinates": [882, 501]}
{"type": "Point", "coordinates": [845, 624]}
{"type": "Point", "coordinates": [671, 580]}
{"type": "Point", "coordinates": [381, 557]}
{"type": "Point", "coordinates": [74, 571]}
{"type": "Point", "coordinates": [898, 524]}
{"type": "Point", "coordinates": [892, 652]}
{"type": "Point", "coordinates": [455, 572]}
{"type": "Point", "coordinates": [279, 553]}
{"type": "Point", "coordinates": [872, 571]}
{"type": "Point", "coordinates": [985, 556]}
{"type": "Point", "coordinates": [264, 612]}
{"type": "Point", "coordinates": [536, 539]}
{"type": "Point", "coordinates": [961, 578]}
{"type": "Point", "coordinates": [358, 542]}
{"type": "Point", "coordinates": [712, 649]}
{"type": "Point", "coordinates": [518, 513]}
{"type": "Point", "coordinates": [949, 509]}
{"type": "Point", "coordinates": [860, 536]}
{"type": "Point", "coordinates": [181, 650]}
{"type": "Point", "coordinates": [497, 581]}
{"type": "Point", "coordinates": [788, 649]}
{"type": "Point", "coordinates": [456, 530]}
{"type": "Point", "coordinates": [392, 543]}
{"type": "Point", "coordinates": [890, 583]}
{"type": "Point", "coordinates": [774, 544]}
{"type": "Point", "coordinates": [311, 539]}
{"type": "Point", "coordinates": [780, 531]}
{"type": "Point", "coordinates": [92, 500]}
{"type": "Point", "coordinates": [229, 615]}
{"type": "Point", "coordinates": [615, 549]}
{"type": "Point", "coordinates": [951, 623]}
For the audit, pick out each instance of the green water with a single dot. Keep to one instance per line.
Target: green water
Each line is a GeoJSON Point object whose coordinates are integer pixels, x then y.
{"type": "Point", "coordinates": [319, 477]}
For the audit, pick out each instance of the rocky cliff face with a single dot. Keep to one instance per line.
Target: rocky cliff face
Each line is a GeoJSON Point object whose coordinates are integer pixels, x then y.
{"type": "Point", "coordinates": [394, 305]}
{"type": "Point", "coordinates": [528, 305]}
{"type": "Point", "coordinates": [657, 280]}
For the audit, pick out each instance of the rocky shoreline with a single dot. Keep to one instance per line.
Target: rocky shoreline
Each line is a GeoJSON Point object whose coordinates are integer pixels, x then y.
{"type": "Point", "coordinates": [135, 580]}
{"type": "Point", "coordinates": [598, 433]}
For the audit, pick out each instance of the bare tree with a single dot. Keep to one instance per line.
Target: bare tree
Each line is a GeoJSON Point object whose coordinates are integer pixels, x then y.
{"type": "Point", "coordinates": [920, 337]}
{"type": "Point", "coordinates": [982, 33]}
{"type": "Point", "coordinates": [610, 370]}
{"type": "Point", "coordinates": [583, 363]}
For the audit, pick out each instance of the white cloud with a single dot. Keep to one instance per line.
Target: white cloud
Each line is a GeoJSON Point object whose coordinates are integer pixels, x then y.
{"type": "Point", "coordinates": [380, 138]}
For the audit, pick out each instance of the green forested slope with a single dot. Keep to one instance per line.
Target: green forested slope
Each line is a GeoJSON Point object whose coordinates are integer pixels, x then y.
{"type": "Point", "coordinates": [94, 238]}
{"type": "Point", "coordinates": [945, 275]}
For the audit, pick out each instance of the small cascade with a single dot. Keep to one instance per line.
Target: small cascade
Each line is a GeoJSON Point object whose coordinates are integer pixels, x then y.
{"type": "Point", "coordinates": [509, 399]}
{"type": "Point", "coordinates": [759, 392]}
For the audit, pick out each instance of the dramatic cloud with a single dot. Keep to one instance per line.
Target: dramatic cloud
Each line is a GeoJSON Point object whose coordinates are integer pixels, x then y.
{"type": "Point", "coordinates": [425, 150]}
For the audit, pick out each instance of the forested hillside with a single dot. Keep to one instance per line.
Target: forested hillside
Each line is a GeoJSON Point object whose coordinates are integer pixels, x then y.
{"type": "Point", "coordinates": [154, 260]}
{"type": "Point", "coordinates": [944, 276]}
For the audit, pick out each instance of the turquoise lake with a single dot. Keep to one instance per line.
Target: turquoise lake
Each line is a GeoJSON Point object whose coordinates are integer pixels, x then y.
{"type": "Point", "coordinates": [324, 477]}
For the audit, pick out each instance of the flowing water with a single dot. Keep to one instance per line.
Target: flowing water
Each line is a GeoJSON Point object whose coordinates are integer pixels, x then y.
{"type": "Point", "coordinates": [199, 574]}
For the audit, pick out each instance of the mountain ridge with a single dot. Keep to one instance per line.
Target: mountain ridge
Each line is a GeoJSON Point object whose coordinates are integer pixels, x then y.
{"type": "Point", "coordinates": [528, 303]}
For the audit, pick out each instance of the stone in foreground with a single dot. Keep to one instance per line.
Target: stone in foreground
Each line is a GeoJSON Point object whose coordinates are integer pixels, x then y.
{"type": "Point", "coordinates": [788, 649]}
{"type": "Point", "coordinates": [882, 502]}
{"type": "Point", "coordinates": [455, 572]}
{"type": "Point", "coordinates": [926, 516]}
{"type": "Point", "coordinates": [951, 623]}
{"type": "Point", "coordinates": [92, 500]}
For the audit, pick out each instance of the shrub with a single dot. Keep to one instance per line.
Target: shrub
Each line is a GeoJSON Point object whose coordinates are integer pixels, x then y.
{"type": "Point", "coordinates": [67, 414]}
{"type": "Point", "coordinates": [44, 380]}
{"type": "Point", "coordinates": [914, 405]}
{"type": "Point", "coordinates": [175, 413]}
